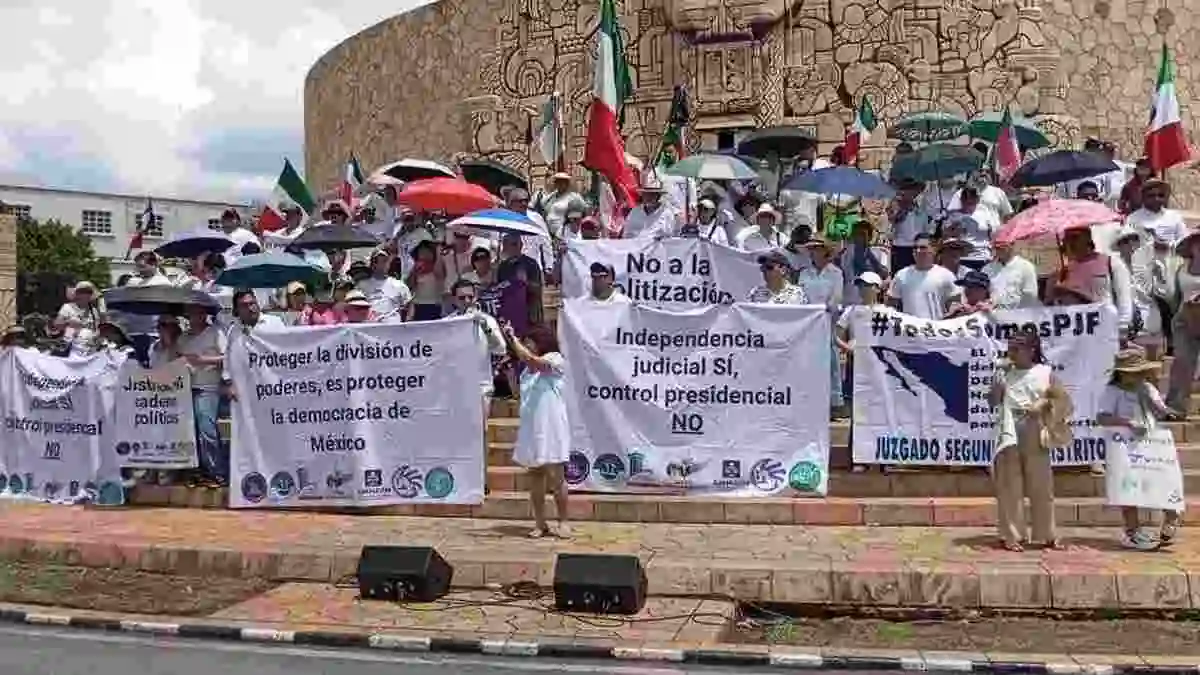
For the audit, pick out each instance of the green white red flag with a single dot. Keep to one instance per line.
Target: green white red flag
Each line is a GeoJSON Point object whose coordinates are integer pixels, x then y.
{"type": "Point", "coordinates": [1166, 142]}
{"type": "Point", "coordinates": [351, 182]}
{"type": "Point", "coordinates": [604, 150]}
{"type": "Point", "coordinates": [860, 131]}
{"type": "Point", "coordinates": [548, 132]}
{"type": "Point", "coordinates": [289, 189]}
{"type": "Point", "coordinates": [1006, 154]}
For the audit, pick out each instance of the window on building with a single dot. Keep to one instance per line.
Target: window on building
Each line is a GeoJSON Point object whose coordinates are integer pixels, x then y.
{"type": "Point", "coordinates": [21, 211]}
{"type": "Point", "coordinates": [97, 222]}
{"type": "Point", "coordinates": [155, 229]}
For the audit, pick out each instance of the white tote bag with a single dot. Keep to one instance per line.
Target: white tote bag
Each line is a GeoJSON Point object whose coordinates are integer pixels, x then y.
{"type": "Point", "coordinates": [1143, 471]}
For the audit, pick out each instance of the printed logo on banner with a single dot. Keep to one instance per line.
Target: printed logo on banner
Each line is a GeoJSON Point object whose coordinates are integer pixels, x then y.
{"type": "Point", "coordinates": [767, 475]}
{"type": "Point", "coordinates": [283, 486]}
{"type": "Point", "coordinates": [254, 487]}
{"type": "Point", "coordinates": [16, 484]}
{"type": "Point", "coordinates": [73, 489]}
{"type": "Point", "coordinates": [950, 381]}
{"type": "Point", "coordinates": [337, 482]}
{"type": "Point", "coordinates": [439, 482]}
{"type": "Point", "coordinates": [3, 482]}
{"type": "Point", "coordinates": [123, 449]}
{"type": "Point", "coordinates": [578, 468]}
{"type": "Point", "coordinates": [685, 468]}
{"type": "Point", "coordinates": [406, 482]}
{"type": "Point", "coordinates": [609, 468]}
{"type": "Point", "coordinates": [51, 489]}
{"type": "Point", "coordinates": [805, 476]}
{"type": "Point", "coordinates": [373, 478]}
{"type": "Point", "coordinates": [731, 469]}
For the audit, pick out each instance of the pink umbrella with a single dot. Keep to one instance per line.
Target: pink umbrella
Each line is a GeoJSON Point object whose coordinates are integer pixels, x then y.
{"type": "Point", "coordinates": [1052, 217]}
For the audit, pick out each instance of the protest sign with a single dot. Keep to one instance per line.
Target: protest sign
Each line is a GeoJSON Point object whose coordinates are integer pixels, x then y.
{"type": "Point", "coordinates": [676, 272]}
{"type": "Point", "coordinates": [57, 419]}
{"type": "Point", "coordinates": [153, 422]}
{"type": "Point", "coordinates": [359, 415]}
{"type": "Point", "coordinates": [921, 387]}
{"type": "Point", "coordinates": [1144, 470]}
{"type": "Point", "coordinates": [731, 399]}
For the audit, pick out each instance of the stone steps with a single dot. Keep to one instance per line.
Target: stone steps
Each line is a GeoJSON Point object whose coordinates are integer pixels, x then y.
{"type": "Point", "coordinates": [658, 508]}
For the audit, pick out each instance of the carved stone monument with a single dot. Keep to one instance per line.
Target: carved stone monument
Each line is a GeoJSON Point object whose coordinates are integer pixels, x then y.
{"type": "Point", "coordinates": [464, 77]}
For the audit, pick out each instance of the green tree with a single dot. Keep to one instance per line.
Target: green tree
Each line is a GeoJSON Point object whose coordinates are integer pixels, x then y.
{"type": "Point", "coordinates": [50, 257]}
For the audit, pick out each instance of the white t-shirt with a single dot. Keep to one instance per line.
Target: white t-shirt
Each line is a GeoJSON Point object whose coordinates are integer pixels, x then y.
{"type": "Point", "coordinates": [924, 293]}
{"type": "Point", "coordinates": [639, 223]}
{"type": "Point", "coordinates": [823, 287]}
{"type": "Point", "coordinates": [616, 298]}
{"type": "Point", "coordinates": [1166, 225]}
{"type": "Point", "coordinates": [905, 230]}
{"type": "Point", "coordinates": [752, 239]}
{"type": "Point", "coordinates": [979, 226]}
{"type": "Point", "coordinates": [1013, 284]}
{"type": "Point", "coordinates": [82, 338]}
{"type": "Point", "coordinates": [387, 295]}
{"type": "Point", "coordinates": [991, 198]}
{"type": "Point", "coordinates": [1125, 403]}
{"type": "Point", "coordinates": [209, 342]}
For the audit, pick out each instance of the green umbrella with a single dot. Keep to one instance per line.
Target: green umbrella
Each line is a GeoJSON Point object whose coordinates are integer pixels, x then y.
{"type": "Point", "coordinates": [935, 162]}
{"type": "Point", "coordinates": [986, 126]}
{"type": "Point", "coordinates": [925, 127]}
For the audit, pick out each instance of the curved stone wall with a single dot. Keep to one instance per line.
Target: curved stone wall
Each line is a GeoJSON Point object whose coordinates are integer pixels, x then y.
{"type": "Point", "coordinates": [462, 77]}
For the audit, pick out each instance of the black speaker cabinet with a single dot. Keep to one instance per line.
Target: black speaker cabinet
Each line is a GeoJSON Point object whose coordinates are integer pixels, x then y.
{"type": "Point", "coordinates": [403, 574]}
{"type": "Point", "coordinates": [599, 584]}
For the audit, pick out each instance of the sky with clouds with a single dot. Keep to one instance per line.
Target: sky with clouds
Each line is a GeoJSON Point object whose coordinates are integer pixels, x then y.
{"type": "Point", "coordinates": [183, 98]}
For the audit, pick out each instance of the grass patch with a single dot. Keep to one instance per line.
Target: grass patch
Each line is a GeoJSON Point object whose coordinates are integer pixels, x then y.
{"type": "Point", "coordinates": [125, 591]}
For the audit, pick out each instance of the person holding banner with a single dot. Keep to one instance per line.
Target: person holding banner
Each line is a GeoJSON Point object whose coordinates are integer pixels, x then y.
{"type": "Point", "coordinates": [924, 289]}
{"type": "Point", "coordinates": [1185, 329]}
{"type": "Point", "coordinates": [203, 347]}
{"type": "Point", "coordinates": [1032, 413]}
{"type": "Point", "coordinates": [544, 435]}
{"type": "Point", "coordinates": [764, 233]}
{"type": "Point", "coordinates": [465, 297]}
{"type": "Point", "coordinates": [1132, 403]}
{"type": "Point", "coordinates": [823, 285]}
{"type": "Point", "coordinates": [777, 288]}
{"type": "Point", "coordinates": [604, 287]}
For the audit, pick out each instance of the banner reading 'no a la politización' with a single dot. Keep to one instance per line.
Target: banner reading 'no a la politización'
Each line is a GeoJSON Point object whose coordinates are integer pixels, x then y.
{"type": "Point", "coordinates": [731, 399]}
{"type": "Point", "coordinates": [921, 387]}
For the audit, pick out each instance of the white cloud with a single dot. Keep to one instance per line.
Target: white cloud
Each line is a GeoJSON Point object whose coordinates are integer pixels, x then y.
{"type": "Point", "coordinates": [194, 98]}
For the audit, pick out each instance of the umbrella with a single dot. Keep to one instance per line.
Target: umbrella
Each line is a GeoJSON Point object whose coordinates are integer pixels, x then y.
{"type": "Point", "coordinates": [273, 269]}
{"type": "Point", "coordinates": [157, 300]}
{"type": "Point", "coordinates": [334, 238]}
{"type": "Point", "coordinates": [193, 244]}
{"type": "Point", "coordinates": [1053, 216]}
{"type": "Point", "coordinates": [415, 169]}
{"type": "Point", "coordinates": [841, 180]}
{"type": "Point", "coordinates": [987, 126]}
{"type": "Point", "coordinates": [925, 127]}
{"type": "Point", "coordinates": [776, 142]}
{"type": "Point", "coordinates": [383, 180]}
{"type": "Point", "coordinates": [492, 175]}
{"type": "Point", "coordinates": [712, 167]}
{"type": "Point", "coordinates": [453, 196]}
{"type": "Point", "coordinates": [937, 161]}
{"type": "Point", "coordinates": [1062, 166]}
{"type": "Point", "coordinates": [499, 220]}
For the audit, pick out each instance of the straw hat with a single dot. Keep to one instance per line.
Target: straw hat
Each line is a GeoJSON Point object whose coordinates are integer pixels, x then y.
{"type": "Point", "coordinates": [767, 209]}
{"type": "Point", "coordinates": [1133, 360]}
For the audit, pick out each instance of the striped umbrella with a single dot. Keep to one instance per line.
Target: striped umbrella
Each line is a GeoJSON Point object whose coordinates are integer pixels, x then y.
{"type": "Point", "coordinates": [498, 220]}
{"type": "Point", "coordinates": [712, 167]}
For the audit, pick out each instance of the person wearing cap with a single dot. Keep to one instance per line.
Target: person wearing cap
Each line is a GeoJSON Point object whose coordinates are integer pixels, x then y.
{"type": "Point", "coordinates": [203, 347]}
{"type": "Point", "coordinates": [777, 287]}
{"type": "Point", "coordinates": [951, 253]}
{"type": "Point", "coordinates": [1101, 276]}
{"type": "Point", "coordinates": [539, 248]}
{"type": "Point", "coordinates": [870, 293]}
{"type": "Point", "coordinates": [653, 216]}
{"type": "Point", "coordinates": [823, 284]}
{"type": "Point", "coordinates": [388, 296]}
{"type": "Point", "coordinates": [1014, 280]}
{"type": "Point", "coordinates": [924, 289]}
{"type": "Point", "coordinates": [975, 295]}
{"type": "Point", "coordinates": [764, 233]}
{"type": "Point", "coordinates": [1149, 285]}
{"type": "Point", "coordinates": [604, 286]}
{"type": "Point", "coordinates": [1185, 329]}
{"type": "Point", "coordinates": [232, 226]}
{"type": "Point", "coordinates": [358, 308]}
{"type": "Point", "coordinates": [78, 319]}
{"type": "Point", "coordinates": [707, 224]}
{"type": "Point", "coordinates": [561, 198]}
{"type": "Point", "coordinates": [1132, 404]}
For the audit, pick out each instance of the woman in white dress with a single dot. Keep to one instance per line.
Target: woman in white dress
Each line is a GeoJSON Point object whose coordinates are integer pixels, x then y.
{"type": "Point", "coordinates": [544, 436]}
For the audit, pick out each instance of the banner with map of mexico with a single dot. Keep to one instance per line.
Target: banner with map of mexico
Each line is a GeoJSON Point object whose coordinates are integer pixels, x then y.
{"type": "Point", "coordinates": [730, 400]}
{"type": "Point", "coordinates": [921, 387]}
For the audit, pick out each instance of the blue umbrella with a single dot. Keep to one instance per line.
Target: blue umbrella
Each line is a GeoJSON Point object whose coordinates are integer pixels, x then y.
{"type": "Point", "coordinates": [498, 220]}
{"type": "Point", "coordinates": [841, 180]}
{"type": "Point", "coordinates": [1062, 166]}
{"type": "Point", "coordinates": [195, 243]}
{"type": "Point", "coordinates": [272, 269]}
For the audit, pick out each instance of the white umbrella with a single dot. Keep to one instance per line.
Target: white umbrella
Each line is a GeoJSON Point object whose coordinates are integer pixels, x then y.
{"type": "Point", "coordinates": [713, 167]}
{"type": "Point", "coordinates": [498, 220]}
{"type": "Point", "coordinates": [415, 169]}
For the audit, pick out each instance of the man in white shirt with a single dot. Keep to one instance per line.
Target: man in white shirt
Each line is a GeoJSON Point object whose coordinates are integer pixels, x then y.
{"type": "Point", "coordinates": [923, 289]}
{"type": "Point", "coordinates": [231, 225]}
{"type": "Point", "coordinates": [203, 348]}
{"type": "Point", "coordinates": [249, 317]}
{"type": "Point", "coordinates": [555, 203]}
{"type": "Point", "coordinates": [1013, 280]}
{"type": "Point", "coordinates": [653, 216]}
{"type": "Point", "coordinates": [977, 225]}
{"type": "Point", "coordinates": [388, 295]}
{"type": "Point", "coordinates": [989, 197]}
{"type": "Point", "coordinates": [908, 220]}
{"type": "Point", "coordinates": [465, 298]}
{"type": "Point", "coordinates": [293, 226]}
{"type": "Point", "coordinates": [604, 288]}
{"type": "Point", "coordinates": [708, 223]}
{"type": "Point", "coordinates": [1154, 218]}
{"type": "Point", "coordinates": [764, 233]}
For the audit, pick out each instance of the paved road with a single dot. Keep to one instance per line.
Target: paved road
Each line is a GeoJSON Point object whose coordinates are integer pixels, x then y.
{"type": "Point", "coordinates": [35, 651]}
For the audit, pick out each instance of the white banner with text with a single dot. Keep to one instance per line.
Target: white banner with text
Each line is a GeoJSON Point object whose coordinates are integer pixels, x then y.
{"type": "Point", "coordinates": [921, 387]}
{"type": "Point", "coordinates": [362, 415]}
{"type": "Point", "coordinates": [732, 399]}
{"type": "Point", "coordinates": [154, 424]}
{"type": "Point", "coordinates": [676, 272]}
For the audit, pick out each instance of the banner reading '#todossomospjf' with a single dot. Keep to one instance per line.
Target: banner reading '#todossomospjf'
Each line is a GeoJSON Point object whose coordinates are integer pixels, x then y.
{"type": "Point", "coordinates": [360, 415]}
{"type": "Point", "coordinates": [677, 272]}
{"type": "Point", "coordinates": [921, 387]}
{"type": "Point", "coordinates": [732, 399]}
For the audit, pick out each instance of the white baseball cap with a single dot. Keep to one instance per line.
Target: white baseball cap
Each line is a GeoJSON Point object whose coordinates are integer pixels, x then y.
{"type": "Point", "coordinates": [870, 279]}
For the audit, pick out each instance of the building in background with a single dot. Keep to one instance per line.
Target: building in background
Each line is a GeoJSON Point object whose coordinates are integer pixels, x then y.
{"type": "Point", "coordinates": [111, 219]}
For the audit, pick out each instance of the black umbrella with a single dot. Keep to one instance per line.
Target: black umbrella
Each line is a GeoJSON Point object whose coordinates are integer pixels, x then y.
{"type": "Point", "coordinates": [492, 175]}
{"type": "Point", "coordinates": [1062, 166]}
{"type": "Point", "coordinates": [414, 169]}
{"type": "Point", "coordinates": [776, 142]}
{"type": "Point", "coordinates": [334, 238]}
{"type": "Point", "coordinates": [157, 300]}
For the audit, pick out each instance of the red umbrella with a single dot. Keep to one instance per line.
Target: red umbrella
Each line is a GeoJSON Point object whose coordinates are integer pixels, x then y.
{"type": "Point", "coordinates": [452, 196]}
{"type": "Point", "coordinates": [1053, 217]}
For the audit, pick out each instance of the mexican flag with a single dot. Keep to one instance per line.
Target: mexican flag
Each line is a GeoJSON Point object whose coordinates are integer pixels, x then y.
{"type": "Point", "coordinates": [860, 131]}
{"type": "Point", "coordinates": [352, 180]}
{"type": "Point", "coordinates": [289, 189]}
{"type": "Point", "coordinates": [1166, 144]}
{"type": "Point", "coordinates": [548, 131]}
{"type": "Point", "coordinates": [604, 150]}
{"type": "Point", "coordinates": [674, 142]}
{"type": "Point", "coordinates": [1006, 154]}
